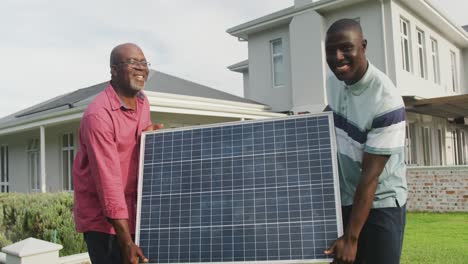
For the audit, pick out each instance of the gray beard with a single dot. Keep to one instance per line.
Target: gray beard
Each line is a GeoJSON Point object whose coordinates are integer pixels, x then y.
{"type": "Point", "coordinates": [135, 87]}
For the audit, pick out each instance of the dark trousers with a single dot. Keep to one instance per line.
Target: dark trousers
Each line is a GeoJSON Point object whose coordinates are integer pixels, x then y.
{"type": "Point", "coordinates": [381, 238]}
{"type": "Point", "coordinates": [102, 248]}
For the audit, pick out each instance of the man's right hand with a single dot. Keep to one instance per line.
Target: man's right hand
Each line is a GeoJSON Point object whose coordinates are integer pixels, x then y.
{"type": "Point", "coordinates": [131, 253]}
{"type": "Point", "coordinates": [344, 249]}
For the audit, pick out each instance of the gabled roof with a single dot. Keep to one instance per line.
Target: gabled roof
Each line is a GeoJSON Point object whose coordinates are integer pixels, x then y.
{"type": "Point", "coordinates": [157, 82]}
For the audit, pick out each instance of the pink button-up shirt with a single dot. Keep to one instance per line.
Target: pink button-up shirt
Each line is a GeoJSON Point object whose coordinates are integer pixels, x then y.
{"type": "Point", "coordinates": [106, 165]}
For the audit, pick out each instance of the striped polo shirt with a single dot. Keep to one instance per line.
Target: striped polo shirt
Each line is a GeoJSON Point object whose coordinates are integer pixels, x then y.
{"type": "Point", "coordinates": [369, 117]}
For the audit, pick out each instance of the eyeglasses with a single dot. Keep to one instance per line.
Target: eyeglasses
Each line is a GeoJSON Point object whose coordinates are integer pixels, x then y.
{"type": "Point", "coordinates": [135, 63]}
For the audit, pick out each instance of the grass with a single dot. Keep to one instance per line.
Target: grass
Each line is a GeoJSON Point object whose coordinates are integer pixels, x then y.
{"type": "Point", "coordinates": [436, 238]}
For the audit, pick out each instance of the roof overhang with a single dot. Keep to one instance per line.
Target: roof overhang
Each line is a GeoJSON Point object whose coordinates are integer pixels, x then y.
{"type": "Point", "coordinates": [434, 15]}
{"type": "Point", "coordinates": [452, 107]}
{"type": "Point", "coordinates": [159, 102]}
{"type": "Point", "coordinates": [427, 9]}
{"type": "Point", "coordinates": [241, 67]}
{"type": "Point", "coordinates": [284, 17]}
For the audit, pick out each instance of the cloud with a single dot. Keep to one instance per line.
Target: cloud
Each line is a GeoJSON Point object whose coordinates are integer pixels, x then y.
{"type": "Point", "coordinates": [53, 47]}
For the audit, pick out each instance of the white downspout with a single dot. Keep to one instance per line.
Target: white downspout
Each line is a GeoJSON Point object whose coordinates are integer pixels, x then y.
{"type": "Point", "coordinates": [43, 159]}
{"type": "Point", "coordinates": [384, 36]}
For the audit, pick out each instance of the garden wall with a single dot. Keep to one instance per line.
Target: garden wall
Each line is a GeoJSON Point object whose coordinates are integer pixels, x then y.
{"type": "Point", "coordinates": [438, 189]}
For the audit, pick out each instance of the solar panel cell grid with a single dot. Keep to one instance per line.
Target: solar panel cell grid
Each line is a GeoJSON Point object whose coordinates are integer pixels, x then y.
{"type": "Point", "coordinates": [250, 191]}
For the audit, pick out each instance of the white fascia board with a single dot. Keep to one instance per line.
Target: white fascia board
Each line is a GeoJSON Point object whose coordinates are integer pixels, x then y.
{"type": "Point", "coordinates": [156, 98]}
{"type": "Point", "coordinates": [278, 18]}
{"type": "Point", "coordinates": [187, 111]}
{"type": "Point", "coordinates": [447, 23]}
{"type": "Point", "coordinates": [43, 120]}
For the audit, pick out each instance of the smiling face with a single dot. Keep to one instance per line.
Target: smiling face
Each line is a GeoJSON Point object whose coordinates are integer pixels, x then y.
{"type": "Point", "coordinates": [346, 54]}
{"type": "Point", "coordinates": [128, 68]}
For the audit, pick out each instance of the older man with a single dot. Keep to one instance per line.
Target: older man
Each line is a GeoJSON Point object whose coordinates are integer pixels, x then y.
{"type": "Point", "coordinates": [370, 127]}
{"type": "Point", "coordinates": [106, 165]}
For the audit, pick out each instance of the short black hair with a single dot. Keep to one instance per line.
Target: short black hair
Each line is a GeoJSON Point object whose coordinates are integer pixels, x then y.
{"type": "Point", "coordinates": [345, 24]}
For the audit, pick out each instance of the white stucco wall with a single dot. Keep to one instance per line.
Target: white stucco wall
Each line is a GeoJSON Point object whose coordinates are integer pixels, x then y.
{"type": "Point", "coordinates": [308, 64]}
{"type": "Point", "coordinates": [411, 83]}
{"type": "Point", "coordinates": [245, 82]}
{"type": "Point", "coordinates": [260, 70]}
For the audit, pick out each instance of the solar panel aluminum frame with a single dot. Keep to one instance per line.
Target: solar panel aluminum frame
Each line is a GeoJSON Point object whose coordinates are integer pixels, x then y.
{"type": "Point", "coordinates": [334, 170]}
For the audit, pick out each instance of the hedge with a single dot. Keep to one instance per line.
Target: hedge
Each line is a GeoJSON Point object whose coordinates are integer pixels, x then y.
{"type": "Point", "coordinates": [46, 216]}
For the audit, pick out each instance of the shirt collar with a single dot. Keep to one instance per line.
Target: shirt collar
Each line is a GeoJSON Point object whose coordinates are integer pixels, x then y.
{"type": "Point", "coordinates": [117, 103]}
{"type": "Point", "coordinates": [359, 87]}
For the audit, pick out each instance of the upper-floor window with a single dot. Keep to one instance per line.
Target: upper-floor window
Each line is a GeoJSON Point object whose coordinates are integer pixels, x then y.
{"type": "Point", "coordinates": [277, 61]}
{"type": "Point", "coordinates": [454, 71]}
{"type": "Point", "coordinates": [435, 60]}
{"type": "Point", "coordinates": [4, 173]}
{"type": "Point", "coordinates": [405, 44]}
{"type": "Point", "coordinates": [34, 164]}
{"type": "Point", "coordinates": [421, 53]}
{"type": "Point", "coordinates": [68, 152]}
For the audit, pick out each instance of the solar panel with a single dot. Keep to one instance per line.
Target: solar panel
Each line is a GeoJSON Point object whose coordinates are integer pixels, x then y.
{"type": "Point", "coordinates": [251, 191]}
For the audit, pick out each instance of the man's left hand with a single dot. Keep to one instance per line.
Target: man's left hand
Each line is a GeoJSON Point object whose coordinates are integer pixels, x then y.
{"type": "Point", "coordinates": [344, 248]}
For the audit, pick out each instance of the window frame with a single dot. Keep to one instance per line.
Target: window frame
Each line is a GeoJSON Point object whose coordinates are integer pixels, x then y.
{"type": "Point", "coordinates": [421, 45]}
{"type": "Point", "coordinates": [454, 71]}
{"type": "Point", "coordinates": [411, 146]}
{"type": "Point", "coordinates": [4, 169]}
{"type": "Point", "coordinates": [435, 60]}
{"type": "Point", "coordinates": [33, 156]}
{"type": "Point", "coordinates": [69, 149]}
{"type": "Point", "coordinates": [426, 145]}
{"type": "Point", "coordinates": [274, 69]}
{"type": "Point", "coordinates": [405, 41]}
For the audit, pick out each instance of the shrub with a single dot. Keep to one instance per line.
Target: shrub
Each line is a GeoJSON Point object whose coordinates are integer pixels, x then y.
{"type": "Point", "coordinates": [46, 216]}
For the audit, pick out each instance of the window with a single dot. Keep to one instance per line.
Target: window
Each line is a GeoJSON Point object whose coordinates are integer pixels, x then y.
{"type": "Point", "coordinates": [453, 68]}
{"type": "Point", "coordinates": [34, 164]}
{"type": "Point", "coordinates": [4, 177]}
{"type": "Point", "coordinates": [405, 44]}
{"type": "Point", "coordinates": [277, 62]}
{"type": "Point", "coordinates": [440, 146]}
{"type": "Point", "coordinates": [426, 140]}
{"type": "Point", "coordinates": [410, 155]}
{"type": "Point", "coordinates": [435, 60]}
{"type": "Point", "coordinates": [422, 54]}
{"type": "Point", "coordinates": [461, 147]}
{"type": "Point", "coordinates": [67, 161]}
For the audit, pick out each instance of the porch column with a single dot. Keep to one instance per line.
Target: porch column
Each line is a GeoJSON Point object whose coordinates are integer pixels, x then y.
{"type": "Point", "coordinates": [43, 159]}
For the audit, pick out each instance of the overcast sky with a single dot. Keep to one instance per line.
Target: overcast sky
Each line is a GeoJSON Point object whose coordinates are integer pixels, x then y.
{"type": "Point", "coordinates": [51, 47]}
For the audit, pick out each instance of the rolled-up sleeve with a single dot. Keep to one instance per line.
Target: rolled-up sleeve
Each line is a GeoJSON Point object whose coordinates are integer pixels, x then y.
{"type": "Point", "coordinates": [104, 163]}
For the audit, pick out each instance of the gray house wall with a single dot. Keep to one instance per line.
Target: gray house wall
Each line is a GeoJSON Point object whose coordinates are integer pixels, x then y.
{"type": "Point", "coordinates": [260, 70]}
{"type": "Point", "coordinates": [308, 65]}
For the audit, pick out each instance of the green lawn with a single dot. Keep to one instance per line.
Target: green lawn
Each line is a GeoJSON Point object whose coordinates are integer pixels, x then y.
{"type": "Point", "coordinates": [436, 238]}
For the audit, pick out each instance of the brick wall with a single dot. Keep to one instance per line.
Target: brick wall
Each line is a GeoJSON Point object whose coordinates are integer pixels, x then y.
{"type": "Point", "coordinates": [438, 189]}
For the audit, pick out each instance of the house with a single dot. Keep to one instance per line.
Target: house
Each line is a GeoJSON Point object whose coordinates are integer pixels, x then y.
{"type": "Point", "coordinates": [38, 144]}
{"type": "Point", "coordinates": [418, 46]}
